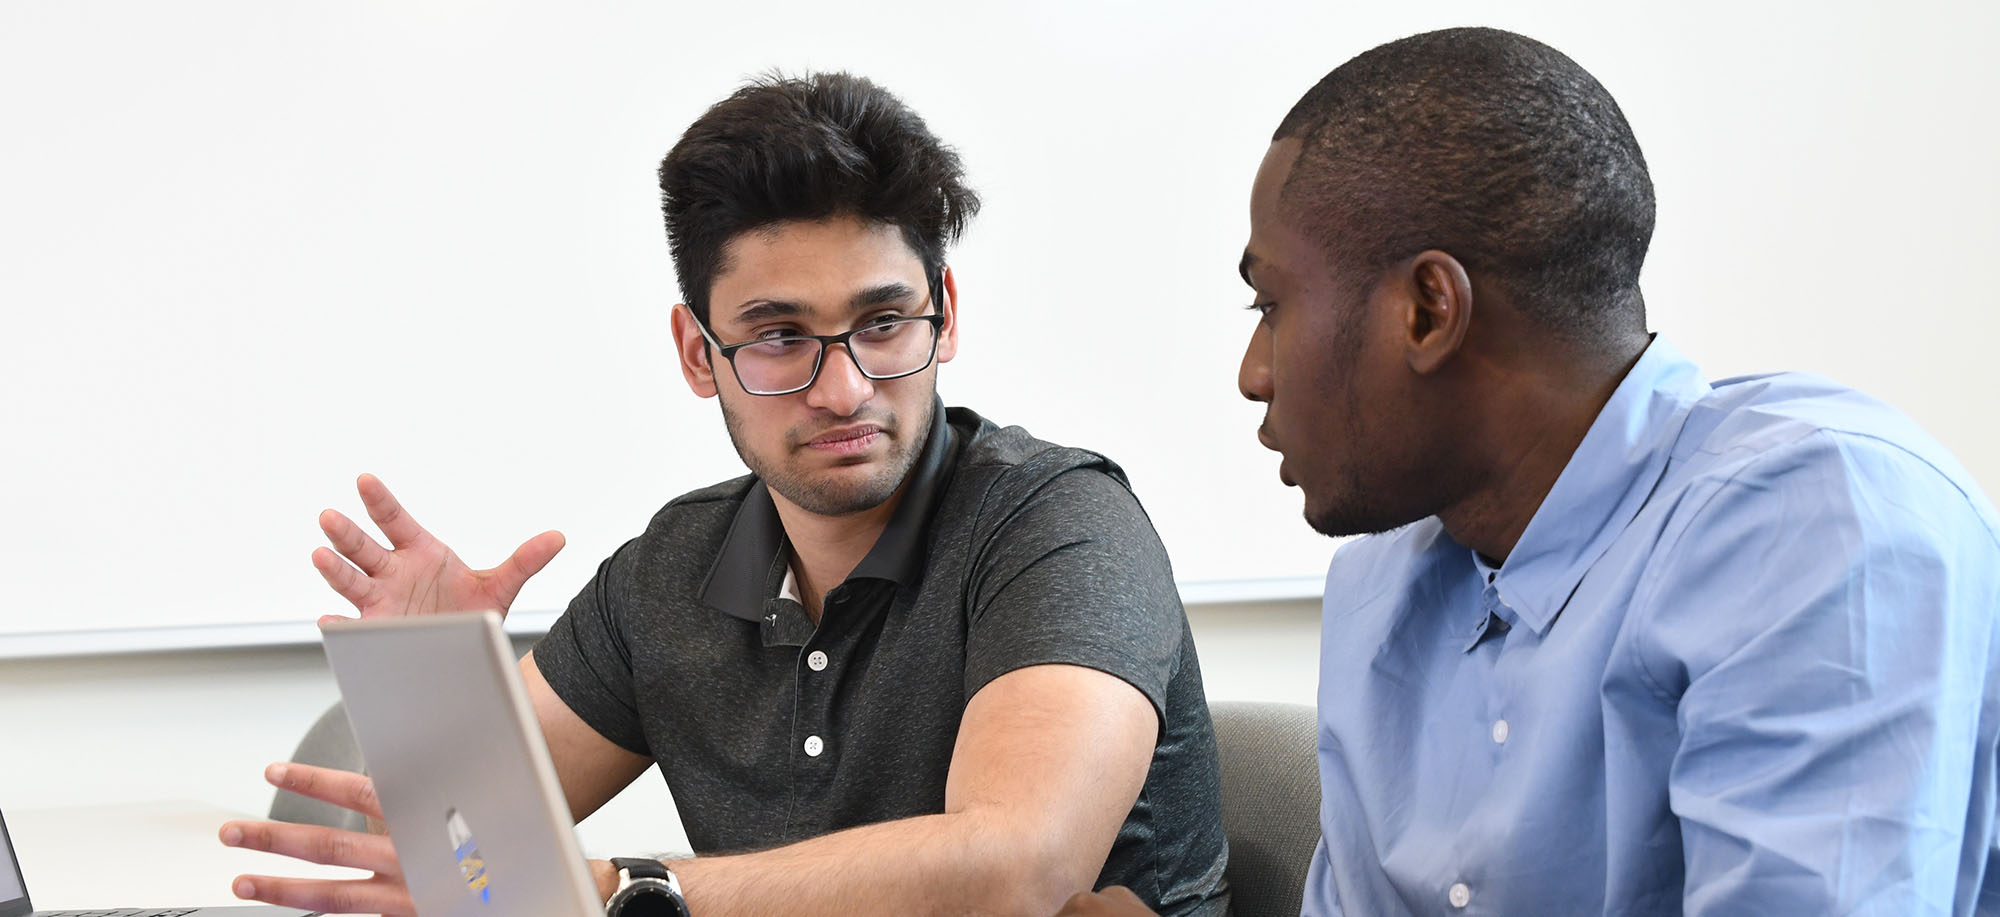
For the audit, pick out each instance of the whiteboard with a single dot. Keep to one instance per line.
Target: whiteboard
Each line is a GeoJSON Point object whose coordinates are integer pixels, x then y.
{"type": "Point", "coordinates": [251, 249]}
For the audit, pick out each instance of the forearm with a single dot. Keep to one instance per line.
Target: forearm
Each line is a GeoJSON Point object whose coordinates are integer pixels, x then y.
{"type": "Point", "coordinates": [1048, 764]}
{"type": "Point", "coordinates": [952, 863]}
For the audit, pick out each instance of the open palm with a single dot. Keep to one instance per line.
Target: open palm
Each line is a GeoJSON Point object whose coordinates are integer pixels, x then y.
{"type": "Point", "coordinates": [417, 574]}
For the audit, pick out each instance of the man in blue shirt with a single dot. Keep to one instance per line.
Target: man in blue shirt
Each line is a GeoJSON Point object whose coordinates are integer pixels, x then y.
{"type": "Point", "coordinates": [1620, 640]}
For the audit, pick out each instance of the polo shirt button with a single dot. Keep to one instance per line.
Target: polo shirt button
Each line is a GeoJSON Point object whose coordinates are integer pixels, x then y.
{"type": "Point", "coordinates": [1460, 895]}
{"type": "Point", "coordinates": [816, 661]}
{"type": "Point", "coordinates": [814, 746]}
{"type": "Point", "coordinates": [1499, 732]}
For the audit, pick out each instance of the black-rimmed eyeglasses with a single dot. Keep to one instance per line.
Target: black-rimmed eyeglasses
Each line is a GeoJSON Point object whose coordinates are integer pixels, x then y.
{"type": "Point", "coordinates": [890, 347]}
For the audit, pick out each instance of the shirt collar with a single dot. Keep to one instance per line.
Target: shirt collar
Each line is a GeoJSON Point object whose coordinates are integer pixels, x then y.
{"type": "Point", "coordinates": [748, 568]}
{"type": "Point", "coordinates": [1607, 480]}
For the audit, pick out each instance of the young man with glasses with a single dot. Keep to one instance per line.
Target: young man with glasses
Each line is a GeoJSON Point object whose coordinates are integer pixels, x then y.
{"type": "Point", "coordinates": [915, 662]}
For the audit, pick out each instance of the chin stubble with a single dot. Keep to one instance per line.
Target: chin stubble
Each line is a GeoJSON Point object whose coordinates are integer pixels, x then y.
{"type": "Point", "coordinates": [823, 496]}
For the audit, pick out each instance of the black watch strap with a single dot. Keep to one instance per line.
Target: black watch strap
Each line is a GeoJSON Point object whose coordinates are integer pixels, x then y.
{"type": "Point", "coordinates": [641, 867]}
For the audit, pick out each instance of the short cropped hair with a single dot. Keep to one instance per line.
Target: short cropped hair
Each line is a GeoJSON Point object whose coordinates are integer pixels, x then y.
{"type": "Point", "coordinates": [1493, 148]}
{"type": "Point", "coordinates": [807, 148]}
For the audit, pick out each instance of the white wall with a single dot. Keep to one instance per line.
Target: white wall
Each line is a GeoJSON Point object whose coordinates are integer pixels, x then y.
{"type": "Point", "coordinates": [202, 725]}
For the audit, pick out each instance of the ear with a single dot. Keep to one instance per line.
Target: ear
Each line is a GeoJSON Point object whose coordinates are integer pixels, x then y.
{"type": "Point", "coordinates": [948, 334]}
{"type": "Point", "coordinates": [1439, 310]}
{"type": "Point", "coordinates": [694, 353]}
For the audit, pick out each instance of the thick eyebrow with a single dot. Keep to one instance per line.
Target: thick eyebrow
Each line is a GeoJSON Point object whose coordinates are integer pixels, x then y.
{"type": "Point", "coordinates": [881, 294]}
{"type": "Point", "coordinates": [763, 310]}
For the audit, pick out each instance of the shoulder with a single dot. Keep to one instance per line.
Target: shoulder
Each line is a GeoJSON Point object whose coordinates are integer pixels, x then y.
{"type": "Point", "coordinates": [719, 500]}
{"type": "Point", "coordinates": [989, 447]}
{"type": "Point", "coordinates": [999, 470]}
{"type": "Point", "coordinates": [688, 530]}
{"type": "Point", "coordinates": [1793, 505]}
{"type": "Point", "coordinates": [1016, 501]}
{"type": "Point", "coordinates": [1793, 447]}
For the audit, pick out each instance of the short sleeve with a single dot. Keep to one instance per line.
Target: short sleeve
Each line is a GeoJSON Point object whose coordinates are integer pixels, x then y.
{"type": "Point", "coordinates": [1824, 627]}
{"type": "Point", "coordinates": [588, 662]}
{"type": "Point", "coordinates": [1076, 576]}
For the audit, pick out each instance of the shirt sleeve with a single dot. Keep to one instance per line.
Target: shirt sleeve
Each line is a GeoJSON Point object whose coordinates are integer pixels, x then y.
{"type": "Point", "coordinates": [1077, 576]}
{"type": "Point", "coordinates": [1825, 632]}
{"type": "Point", "coordinates": [588, 662]}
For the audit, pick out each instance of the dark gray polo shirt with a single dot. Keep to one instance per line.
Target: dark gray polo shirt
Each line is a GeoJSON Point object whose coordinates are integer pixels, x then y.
{"type": "Point", "coordinates": [1005, 552]}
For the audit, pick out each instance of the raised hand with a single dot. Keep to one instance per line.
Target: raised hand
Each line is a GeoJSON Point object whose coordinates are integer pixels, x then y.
{"type": "Point", "coordinates": [417, 574]}
{"type": "Point", "coordinates": [382, 892]}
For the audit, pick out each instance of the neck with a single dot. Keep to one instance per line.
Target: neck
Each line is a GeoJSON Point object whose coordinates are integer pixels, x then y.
{"type": "Point", "coordinates": [825, 549]}
{"type": "Point", "coordinates": [1530, 427]}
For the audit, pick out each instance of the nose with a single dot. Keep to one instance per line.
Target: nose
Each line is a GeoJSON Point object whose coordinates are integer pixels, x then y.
{"type": "Point", "coordinates": [841, 388]}
{"type": "Point", "coordinates": [1253, 376]}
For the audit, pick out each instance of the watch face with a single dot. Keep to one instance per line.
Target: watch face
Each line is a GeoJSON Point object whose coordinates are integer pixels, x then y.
{"type": "Point", "coordinates": [647, 898]}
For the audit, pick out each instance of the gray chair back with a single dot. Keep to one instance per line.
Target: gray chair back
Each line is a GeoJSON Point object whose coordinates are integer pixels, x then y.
{"type": "Point", "coordinates": [329, 743]}
{"type": "Point", "coordinates": [1270, 802]}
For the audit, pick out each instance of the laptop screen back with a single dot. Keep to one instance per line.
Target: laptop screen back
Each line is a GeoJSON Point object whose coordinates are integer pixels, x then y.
{"type": "Point", "coordinates": [464, 779]}
{"type": "Point", "coordinates": [13, 888]}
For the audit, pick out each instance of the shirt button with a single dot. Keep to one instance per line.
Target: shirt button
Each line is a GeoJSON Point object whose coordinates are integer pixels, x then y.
{"type": "Point", "coordinates": [816, 661]}
{"type": "Point", "coordinates": [814, 746]}
{"type": "Point", "coordinates": [1460, 895]}
{"type": "Point", "coordinates": [1499, 732]}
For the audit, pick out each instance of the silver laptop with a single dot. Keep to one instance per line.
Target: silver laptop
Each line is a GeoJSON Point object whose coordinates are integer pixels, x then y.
{"type": "Point", "coordinates": [465, 781]}
{"type": "Point", "coordinates": [14, 896]}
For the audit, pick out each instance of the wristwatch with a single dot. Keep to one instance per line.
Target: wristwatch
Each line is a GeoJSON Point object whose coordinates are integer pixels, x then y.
{"type": "Point", "coordinates": [646, 888]}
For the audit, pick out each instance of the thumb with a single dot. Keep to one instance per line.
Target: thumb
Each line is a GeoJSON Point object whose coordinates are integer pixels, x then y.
{"type": "Point", "coordinates": [527, 560]}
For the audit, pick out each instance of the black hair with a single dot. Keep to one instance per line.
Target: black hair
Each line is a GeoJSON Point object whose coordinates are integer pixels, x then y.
{"type": "Point", "coordinates": [807, 148]}
{"type": "Point", "coordinates": [1493, 148]}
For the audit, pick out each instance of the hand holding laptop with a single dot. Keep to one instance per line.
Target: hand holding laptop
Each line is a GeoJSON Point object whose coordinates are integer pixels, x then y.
{"type": "Point", "coordinates": [383, 892]}
{"type": "Point", "coordinates": [458, 770]}
{"type": "Point", "coordinates": [417, 574]}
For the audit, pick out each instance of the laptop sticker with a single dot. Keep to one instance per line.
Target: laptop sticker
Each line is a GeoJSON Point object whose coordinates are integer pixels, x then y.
{"type": "Point", "coordinates": [471, 864]}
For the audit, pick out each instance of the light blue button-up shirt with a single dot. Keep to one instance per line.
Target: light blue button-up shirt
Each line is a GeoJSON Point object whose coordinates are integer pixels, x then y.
{"type": "Point", "coordinates": [1742, 661]}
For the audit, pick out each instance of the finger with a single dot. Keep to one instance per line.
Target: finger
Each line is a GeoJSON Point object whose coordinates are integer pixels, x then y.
{"type": "Point", "coordinates": [1082, 904]}
{"type": "Point", "coordinates": [313, 844]}
{"type": "Point", "coordinates": [345, 580]}
{"type": "Point", "coordinates": [353, 543]}
{"type": "Point", "coordinates": [383, 895]}
{"type": "Point", "coordinates": [1122, 895]}
{"type": "Point", "coordinates": [1113, 901]}
{"type": "Point", "coordinates": [389, 515]}
{"type": "Point", "coordinates": [345, 789]}
{"type": "Point", "coordinates": [526, 561]}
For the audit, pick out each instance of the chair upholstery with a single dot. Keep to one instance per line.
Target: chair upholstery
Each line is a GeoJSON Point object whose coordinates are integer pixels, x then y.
{"type": "Point", "coordinates": [1270, 802]}
{"type": "Point", "coordinates": [329, 743]}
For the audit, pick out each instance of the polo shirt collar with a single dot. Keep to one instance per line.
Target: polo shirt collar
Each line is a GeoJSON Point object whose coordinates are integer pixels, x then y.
{"type": "Point", "coordinates": [750, 567]}
{"type": "Point", "coordinates": [1606, 482]}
